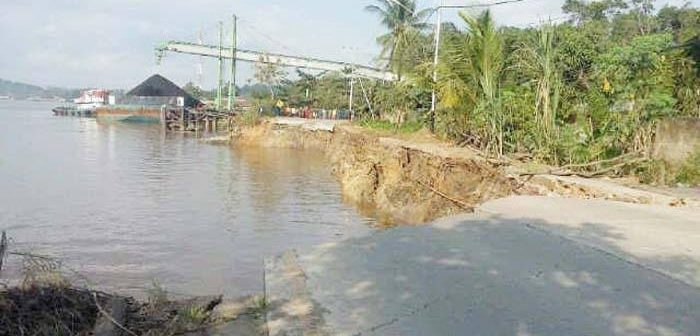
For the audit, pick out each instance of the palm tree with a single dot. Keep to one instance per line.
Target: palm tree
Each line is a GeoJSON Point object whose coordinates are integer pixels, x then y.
{"type": "Point", "coordinates": [485, 54]}
{"type": "Point", "coordinates": [404, 23]}
{"type": "Point", "coordinates": [470, 75]}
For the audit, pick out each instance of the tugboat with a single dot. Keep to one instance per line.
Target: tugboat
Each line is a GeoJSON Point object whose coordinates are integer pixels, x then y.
{"type": "Point", "coordinates": [85, 105]}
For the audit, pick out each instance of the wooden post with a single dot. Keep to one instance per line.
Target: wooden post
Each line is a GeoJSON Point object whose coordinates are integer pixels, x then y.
{"type": "Point", "coordinates": [182, 120]}
{"type": "Point", "coordinates": [3, 248]}
{"type": "Point", "coordinates": [163, 117]}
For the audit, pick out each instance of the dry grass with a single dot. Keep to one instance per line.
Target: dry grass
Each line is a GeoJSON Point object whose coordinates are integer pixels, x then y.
{"type": "Point", "coordinates": [45, 304]}
{"type": "Point", "coordinates": [50, 311]}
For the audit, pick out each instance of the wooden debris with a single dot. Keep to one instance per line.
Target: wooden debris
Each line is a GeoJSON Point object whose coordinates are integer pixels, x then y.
{"type": "Point", "coordinates": [457, 202]}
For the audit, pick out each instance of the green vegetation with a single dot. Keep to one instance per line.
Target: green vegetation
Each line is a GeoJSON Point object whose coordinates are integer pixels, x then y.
{"type": "Point", "coordinates": [269, 73]}
{"type": "Point", "coordinates": [193, 316]}
{"type": "Point", "coordinates": [157, 294]}
{"type": "Point", "coordinates": [249, 117]}
{"type": "Point", "coordinates": [585, 90]}
{"type": "Point", "coordinates": [689, 172]}
{"type": "Point", "coordinates": [659, 172]}
{"type": "Point", "coordinates": [387, 126]}
{"type": "Point", "coordinates": [405, 24]}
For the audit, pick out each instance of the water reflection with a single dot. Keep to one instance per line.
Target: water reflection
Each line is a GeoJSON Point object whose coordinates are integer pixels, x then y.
{"type": "Point", "coordinates": [125, 204]}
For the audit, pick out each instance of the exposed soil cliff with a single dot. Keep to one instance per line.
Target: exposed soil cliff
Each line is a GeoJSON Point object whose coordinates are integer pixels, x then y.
{"type": "Point", "coordinates": [400, 181]}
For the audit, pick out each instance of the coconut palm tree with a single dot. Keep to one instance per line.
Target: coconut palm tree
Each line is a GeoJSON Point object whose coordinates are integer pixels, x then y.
{"type": "Point", "coordinates": [470, 75]}
{"type": "Point", "coordinates": [404, 22]}
{"type": "Point", "coordinates": [485, 45]}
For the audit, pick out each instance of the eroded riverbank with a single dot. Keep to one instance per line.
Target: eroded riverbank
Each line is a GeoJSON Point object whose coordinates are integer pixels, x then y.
{"type": "Point", "coordinates": [400, 181]}
{"type": "Point", "coordinates": [415, 181]}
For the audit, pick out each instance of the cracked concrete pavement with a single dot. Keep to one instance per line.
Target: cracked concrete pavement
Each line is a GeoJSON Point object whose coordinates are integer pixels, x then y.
{"type": "Point", "coordinates": [520, 266]}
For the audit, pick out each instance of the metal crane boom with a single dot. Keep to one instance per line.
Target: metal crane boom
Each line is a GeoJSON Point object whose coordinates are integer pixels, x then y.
{"type": "Point", "coordinates": [283, 60]}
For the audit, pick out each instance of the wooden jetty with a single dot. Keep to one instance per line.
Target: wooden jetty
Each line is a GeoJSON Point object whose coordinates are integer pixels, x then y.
{"type": "Point", "coordinates": [172, 118]}
{"type": "Point", "coordinates": [73, 112]}
{"type": "Point", "coordinates": [193, 120]}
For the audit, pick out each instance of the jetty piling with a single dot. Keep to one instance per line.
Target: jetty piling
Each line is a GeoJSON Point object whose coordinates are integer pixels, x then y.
{"type": "Point", "coordinates": [192, 120]}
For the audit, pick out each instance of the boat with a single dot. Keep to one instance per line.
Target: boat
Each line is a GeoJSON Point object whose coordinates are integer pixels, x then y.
{"type": "Point", "coordinates": [85, 105]}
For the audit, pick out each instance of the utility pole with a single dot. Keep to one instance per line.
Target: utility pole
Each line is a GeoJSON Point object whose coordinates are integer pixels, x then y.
{"type": "Point", "coordinates": [438, 29]}
{"type": "Point", "coordinates": [232, 81]}
{"type": "Point", "coordinates": [200, 65]}
{"type": "Point", "coordinates": [364, 92]}
{"type": "Point", "coordinates": [220, 83]}
{"type": "Point", "coordinates": [352, 89]}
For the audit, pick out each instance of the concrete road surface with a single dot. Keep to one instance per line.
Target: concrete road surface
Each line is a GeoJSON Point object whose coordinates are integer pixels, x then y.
{"type": "Point", "coordinates": [530, 270]}
{"type": "Point", "coordinates": [662, 238]}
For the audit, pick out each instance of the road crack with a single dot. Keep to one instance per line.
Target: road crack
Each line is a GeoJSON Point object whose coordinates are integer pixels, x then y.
{"type": "Point", "coordinates": [413, 312]}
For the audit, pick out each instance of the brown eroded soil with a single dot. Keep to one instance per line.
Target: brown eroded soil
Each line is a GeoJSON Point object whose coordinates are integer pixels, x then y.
{"type": "Point", "coordinates": [402, 181]}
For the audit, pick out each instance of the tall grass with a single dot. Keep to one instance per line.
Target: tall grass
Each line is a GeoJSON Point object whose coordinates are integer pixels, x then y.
{"type": "Point", "coordinates": [387, 126]}
{"type": "Point", "coordinates": [536, 58]}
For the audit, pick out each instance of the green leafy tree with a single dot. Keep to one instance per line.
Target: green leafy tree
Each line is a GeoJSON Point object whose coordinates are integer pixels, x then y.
{"type": "Point", "coordinates": [405, 24]}
{"type": "Point", "coordinates": [269, 73]}
{"type": "Point", "coordinates": [584, 10]}
{"type": "Point", "coordinates": [332, 91]}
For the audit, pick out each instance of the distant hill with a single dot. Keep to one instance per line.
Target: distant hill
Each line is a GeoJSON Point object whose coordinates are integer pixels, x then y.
{"type": "Point", "coordinates": [19, 90]}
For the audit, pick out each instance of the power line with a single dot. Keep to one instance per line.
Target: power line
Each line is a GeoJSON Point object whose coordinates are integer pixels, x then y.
{"type": "Point", "coordinates": [397, 2]}
{"type": "Point", "coordinates": [482, 5]}
{"type": "Point", "coordinates": [266, 36]}
{"type": "Point", "coordinates": [478, 5]}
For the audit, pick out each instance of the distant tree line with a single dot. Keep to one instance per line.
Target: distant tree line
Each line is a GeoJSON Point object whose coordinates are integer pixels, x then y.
{"type": "Point", "coordinates": [20, 90]}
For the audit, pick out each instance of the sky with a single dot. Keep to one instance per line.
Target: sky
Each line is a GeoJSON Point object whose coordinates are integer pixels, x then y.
{"type": "Point", "coordinates": [110, 43]}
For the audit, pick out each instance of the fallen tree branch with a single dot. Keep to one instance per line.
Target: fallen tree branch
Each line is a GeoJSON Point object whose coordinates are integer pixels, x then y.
{"type": "Point", "coordinates": [108, 316]}
{"type": "Point", "coordinates": [611, 168]}
{"type": "Point", "coordinates": [595, 163]}
{"type": "Point", "coordinates": [459, 203]}
{"type": "Point", "coordinates": [585, 174]}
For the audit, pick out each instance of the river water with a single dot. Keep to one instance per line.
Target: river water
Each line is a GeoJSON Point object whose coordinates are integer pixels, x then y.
{"type": "Point", "coordinates": [127, 204]}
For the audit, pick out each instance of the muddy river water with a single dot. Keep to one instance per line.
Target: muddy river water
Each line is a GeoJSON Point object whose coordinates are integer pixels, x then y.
{"type": "Point", "coordinates": [127, 204]}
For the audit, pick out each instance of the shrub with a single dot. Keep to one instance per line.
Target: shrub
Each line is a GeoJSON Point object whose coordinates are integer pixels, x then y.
{"type": "Point", "coordinates": [689, 171]}
{"type": "Point", "coordinates": [384, 125]}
